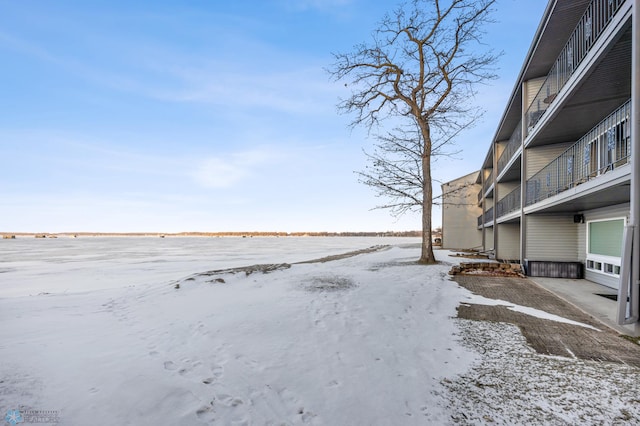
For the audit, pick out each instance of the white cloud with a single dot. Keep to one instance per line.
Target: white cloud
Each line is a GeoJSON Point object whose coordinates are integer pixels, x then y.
{"type": "Point", "coordinates": [224, 172]}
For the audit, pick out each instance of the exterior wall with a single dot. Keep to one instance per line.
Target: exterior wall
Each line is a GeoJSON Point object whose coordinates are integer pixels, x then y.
{"type": "Point", "coordinates": [460, 213]}
{"type": "Point", "coordinates": [505, 188]}
{"type": "Point", "coordinates": [489, 202]}
{"type": "Point", "coordinates": [539, 157]}
{"type": "Point", "coordinates": [532, 88]}
{"type": "Point", "coordinates": [488, 238]}
{"type": "Point", "coordinates": [508, 241]}
{"type": "Point", "coordinates": [552, 237]}
{"type": "Point", "coordinates": [620, 210]}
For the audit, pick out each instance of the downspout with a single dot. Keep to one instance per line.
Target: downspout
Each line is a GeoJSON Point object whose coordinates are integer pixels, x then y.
{"type": "Point", "coordinates": [484, 206]}
{"type": "Point", "coordinates": [629, 311]}
{"type": "Point", "coordinates": [494, 178]}
{"type": "Point", "coordinates": [523, 180]}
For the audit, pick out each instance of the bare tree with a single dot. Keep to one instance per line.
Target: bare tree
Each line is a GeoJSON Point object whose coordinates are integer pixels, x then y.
{"type": "Point", "coordinates": [421, 68]}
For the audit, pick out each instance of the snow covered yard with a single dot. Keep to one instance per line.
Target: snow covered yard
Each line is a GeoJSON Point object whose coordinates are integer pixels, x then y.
{"type": "Point", "coordinates": [366, 340]}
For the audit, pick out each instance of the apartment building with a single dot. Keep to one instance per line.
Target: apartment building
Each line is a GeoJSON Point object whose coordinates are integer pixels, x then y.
{"type": "Point", "coordinates": [556, 183]}
{"type": "Point", "coordinates": [459, 212]}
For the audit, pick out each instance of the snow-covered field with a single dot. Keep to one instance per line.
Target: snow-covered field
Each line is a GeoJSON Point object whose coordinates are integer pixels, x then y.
{"type": "Point", "coordinates": [105, 332]}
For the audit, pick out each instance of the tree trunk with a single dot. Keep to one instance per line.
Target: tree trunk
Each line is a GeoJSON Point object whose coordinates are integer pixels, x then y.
{"type": "Point", "coordinates": [426, 256]}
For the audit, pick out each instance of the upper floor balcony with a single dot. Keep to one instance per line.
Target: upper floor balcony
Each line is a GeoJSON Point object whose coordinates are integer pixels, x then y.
{"type": "Point", "coordinates": [509, 203]}
{"type": "Point", "coordinates": [598, 15]}
{"type": "Point", "coordinates": [604, 148]}
{"type": "Point", "coordinates": [488, 217]}
{"type": "Point", "coordinates": [515, 141]}
{"type": "Point", "coordinates": [488, 182]}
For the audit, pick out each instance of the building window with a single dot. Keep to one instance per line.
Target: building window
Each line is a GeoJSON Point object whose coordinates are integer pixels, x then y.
{"type": "Point", "coordinates": [604, 245]}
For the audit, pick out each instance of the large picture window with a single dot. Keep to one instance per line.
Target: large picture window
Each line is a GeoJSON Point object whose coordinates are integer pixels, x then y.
{"type": "Point", "coordinates": [605, 237]}
{"type": "Point", "coordinates": [604, 245]}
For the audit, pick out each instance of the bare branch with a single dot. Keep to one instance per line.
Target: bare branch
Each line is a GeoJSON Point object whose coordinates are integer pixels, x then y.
{"type": "Point", "coordinates": [421, 67]}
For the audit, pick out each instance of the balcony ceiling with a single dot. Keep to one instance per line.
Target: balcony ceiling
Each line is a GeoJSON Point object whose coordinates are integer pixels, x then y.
{"type": "Point", "coordinates": [513, 173]}
{"type": "Point", "coordinates": [608, 196]}
{"type": "Point", "coordinates": [604, 90]}
{"type": "Point", "coordinates": [551, 37]}
{"type": "Point", "coordinates": [556, 31]}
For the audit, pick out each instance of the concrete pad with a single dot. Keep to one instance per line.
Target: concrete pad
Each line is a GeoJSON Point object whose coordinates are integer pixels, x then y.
{"type": "Point", "coordinates": [584, 295]}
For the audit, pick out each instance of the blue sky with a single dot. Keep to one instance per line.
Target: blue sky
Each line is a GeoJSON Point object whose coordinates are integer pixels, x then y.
{"type": "Point", "coordinates": [174, 116]}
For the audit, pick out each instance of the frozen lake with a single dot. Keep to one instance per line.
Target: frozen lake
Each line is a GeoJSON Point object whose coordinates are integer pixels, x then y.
{"type": "Point", "coordinates": [125, 330]}
{"type": "Point", "coordinates": [30, 266]}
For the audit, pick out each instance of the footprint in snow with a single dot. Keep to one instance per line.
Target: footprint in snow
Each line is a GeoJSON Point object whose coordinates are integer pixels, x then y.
{"type": "Point", "coordinates": [228, 400]}
{"type": "Point", "coordinates": [206, 412]}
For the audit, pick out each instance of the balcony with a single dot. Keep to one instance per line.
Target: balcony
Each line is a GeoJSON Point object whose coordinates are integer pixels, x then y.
{"type": "Point", "coordinates": [606, 147]}
{"type": "Point", "coordinates": [510, 203]}
{"type": "Point", "coordinates": [592, 24]}
{"type": "Point", "coordinates": [488, 182]}
{"type": "Point", "coordinates": [488, 217]}
{"type": "Point", "coordinates": [512, 146]}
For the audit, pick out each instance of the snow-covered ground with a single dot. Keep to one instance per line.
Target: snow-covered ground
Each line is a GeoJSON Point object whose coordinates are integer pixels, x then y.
{"type": "Point", "coordinates": [366, 340]}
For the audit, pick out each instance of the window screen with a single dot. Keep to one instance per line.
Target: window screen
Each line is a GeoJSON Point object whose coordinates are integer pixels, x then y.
{"type": "Point", "coordinates": [605, 237]}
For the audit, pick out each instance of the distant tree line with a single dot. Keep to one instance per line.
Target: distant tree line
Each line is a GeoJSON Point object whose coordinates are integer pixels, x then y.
{"type": "Point", "coordinates": [217, 234]}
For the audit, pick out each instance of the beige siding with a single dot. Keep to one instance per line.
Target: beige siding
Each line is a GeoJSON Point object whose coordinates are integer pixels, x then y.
{"type": "Point", "coordinates": [488, 239]}
{"type": "Point", "coordinates": [508, 241]}
{"type": "Point", "coordinates": [539, 157]}
{"type": "Point", "coordinates": [506, 188]}
{"type": "Point", "coordinates": [532, 88]}
{"type": "Point", "coordinates": [488, 202]}
{"type": "Point", "coordinates": [552, 237]}
{"type": "Point", "coordinates": [499, 147]}
{"type": "Point", "coordinates": [460, 213]}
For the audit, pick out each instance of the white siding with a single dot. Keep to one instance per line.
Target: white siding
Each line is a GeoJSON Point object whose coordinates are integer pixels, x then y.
{"type": "Point", "coordinates": [508, 241]}
{"type": "Point", "coordinates": [552, 237]}
{"type": "Point", "coordinates": [602, 279]}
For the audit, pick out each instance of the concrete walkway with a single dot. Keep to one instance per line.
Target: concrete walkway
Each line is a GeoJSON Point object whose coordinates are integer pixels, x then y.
{"type": "Point", "coordinates": [586, 295]}
{"type": "Point", "coordinates": [544, 335]}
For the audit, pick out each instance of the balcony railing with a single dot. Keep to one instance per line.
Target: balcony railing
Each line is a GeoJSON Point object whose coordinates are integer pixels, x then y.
{"type": "Point", "coordinates": [488, 217]}
{"type": "Point", "coordinates": [598, 14]}
{"type": "Point", "coordinates": [512, 146]}
{"type": "Point", "coordinates": [488, 182]}
{"type": "Point", "coordinates": [605, 147]}
{"type": "Point", "coordinates": [510, 203]}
